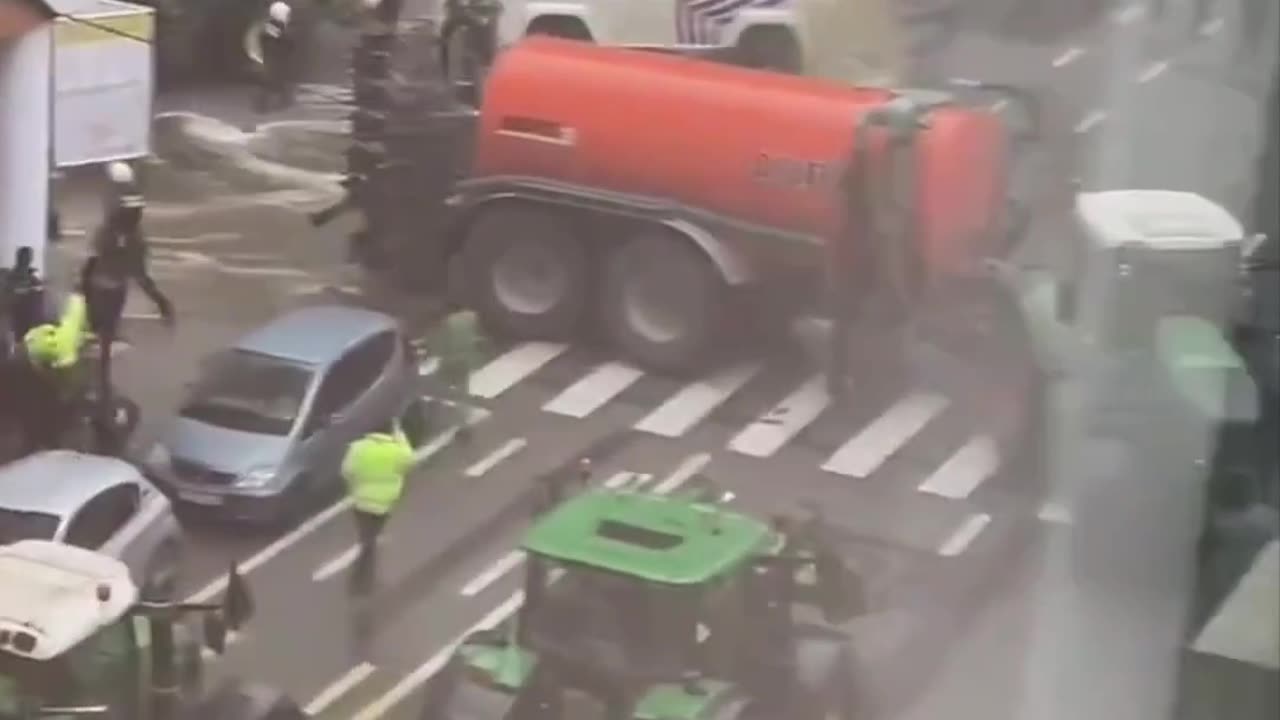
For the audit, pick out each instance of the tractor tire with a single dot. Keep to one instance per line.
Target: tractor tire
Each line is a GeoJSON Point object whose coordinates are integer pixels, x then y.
{"type": "Point", "coordinates": [664, 305]}
{"type": "Point", "coordinates": [528, 274]}
{"type": "Point", "coordinates": [239, 700]}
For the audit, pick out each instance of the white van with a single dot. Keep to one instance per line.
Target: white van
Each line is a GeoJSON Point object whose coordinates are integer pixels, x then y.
{"type": "Point", "coordinates": [851, 40]}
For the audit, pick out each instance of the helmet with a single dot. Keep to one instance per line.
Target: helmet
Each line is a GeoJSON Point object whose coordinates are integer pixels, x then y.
{"type": "Point", "coordinates": [120, 173]}
{"type": "Point", "coordinates": [280, 12]}
{"type": "Point", "coordinates": [41, 342]}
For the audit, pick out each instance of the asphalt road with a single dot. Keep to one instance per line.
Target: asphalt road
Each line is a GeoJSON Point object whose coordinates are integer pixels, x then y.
{"type": "Point", "coordinates": [917, 473]}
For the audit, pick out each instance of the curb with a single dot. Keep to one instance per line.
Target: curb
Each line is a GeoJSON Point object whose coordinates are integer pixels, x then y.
{"type": "Point", "coordinates": [197, 142]}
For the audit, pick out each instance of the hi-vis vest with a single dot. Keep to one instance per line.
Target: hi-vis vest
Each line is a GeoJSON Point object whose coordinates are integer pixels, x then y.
{"type": "Point", "coordinates": [374, 469]}
{"type": "Point", "coordinates": [58, 346]}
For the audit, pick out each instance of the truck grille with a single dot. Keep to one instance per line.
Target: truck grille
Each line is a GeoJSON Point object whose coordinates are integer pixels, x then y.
{"type": "Point", "coordinates": [194, 472]}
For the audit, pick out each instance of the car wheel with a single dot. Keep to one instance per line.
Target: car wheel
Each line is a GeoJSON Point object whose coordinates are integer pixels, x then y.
{"type": "Point", "coordinates": [163, 574]}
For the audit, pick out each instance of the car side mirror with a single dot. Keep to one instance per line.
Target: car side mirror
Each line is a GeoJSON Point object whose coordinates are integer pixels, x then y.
{"type": "Point", "coordinates": [237, 603]}
{"type": "Point", "coordinates": [215, 633]}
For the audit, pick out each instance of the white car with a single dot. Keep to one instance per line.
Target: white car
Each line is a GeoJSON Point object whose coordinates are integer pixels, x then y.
{"type": "Point", "coordinates": [96, 503]}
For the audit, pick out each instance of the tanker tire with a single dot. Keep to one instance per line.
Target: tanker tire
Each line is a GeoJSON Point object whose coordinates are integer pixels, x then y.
{"type": "Point", "coordinates": [699, 291]}
{"type": "Point", "coordinates": [493, 249]}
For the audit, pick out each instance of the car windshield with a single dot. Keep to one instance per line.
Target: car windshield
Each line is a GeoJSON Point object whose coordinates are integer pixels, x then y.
{"type": "Point", "coordinates": [18, 525]}
{"type": "Point", "coordinates": [249, 392]}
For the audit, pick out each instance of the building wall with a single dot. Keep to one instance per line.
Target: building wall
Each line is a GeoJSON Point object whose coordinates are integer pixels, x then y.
{"type": "Point", "coordinates": [24, 142]}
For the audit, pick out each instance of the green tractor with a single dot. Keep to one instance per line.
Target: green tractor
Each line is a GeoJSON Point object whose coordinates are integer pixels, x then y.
{"type": "Point", "coordinates": [663, 607]}
{"type": "Point", "coordinates": [76, 641]}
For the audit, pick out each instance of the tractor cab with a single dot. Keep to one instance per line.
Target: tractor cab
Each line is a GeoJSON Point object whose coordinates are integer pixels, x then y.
{"type": "Point", "coordinates": [646, 606]}
{"type": "Point", "coordinates": [76, 641]}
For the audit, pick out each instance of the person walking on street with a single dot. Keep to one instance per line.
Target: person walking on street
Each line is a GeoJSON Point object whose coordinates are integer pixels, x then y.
{"type": "Point", "coordinates": [22, 297]}
{"type": "Point", "coordinates": [279, 53]}
{"type": "Point", "coordinates": [458, 344]}
{"type": "Point", "coordinates": [119, 258]}
{"type": "Point", "coordinates": [374, 470]}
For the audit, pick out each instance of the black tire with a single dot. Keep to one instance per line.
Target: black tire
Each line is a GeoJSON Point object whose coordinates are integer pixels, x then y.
{"type": "Point", "coordinates": [501, 245]}
{"type": "Point", "coordinates": [692, 306]}
{"type": "Point", "coordinates": [771, 48]}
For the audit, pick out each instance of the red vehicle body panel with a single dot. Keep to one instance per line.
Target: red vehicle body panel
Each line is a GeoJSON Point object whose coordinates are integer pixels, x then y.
{"type": "Point", "coordinates": [752, 147]}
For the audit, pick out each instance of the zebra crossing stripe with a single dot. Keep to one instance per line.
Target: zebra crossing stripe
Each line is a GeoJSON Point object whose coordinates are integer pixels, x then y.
{"type": "Point", "coordinates": [964, 471]}
{"type": "Point", "coordinates": [601, 385]}
{"type": "Point", "coordinates": [695, 401]}
{"type": "Point", "coordinates": [777, 427]}
{"type": "Point", "coordinates": [865, 452]}
{"type": "Point", "coordinates": [511, 367]}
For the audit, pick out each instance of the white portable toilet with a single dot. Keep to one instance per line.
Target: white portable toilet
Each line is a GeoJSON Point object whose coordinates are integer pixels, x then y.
{"type": "Point", "coordinates": [1150, 254]}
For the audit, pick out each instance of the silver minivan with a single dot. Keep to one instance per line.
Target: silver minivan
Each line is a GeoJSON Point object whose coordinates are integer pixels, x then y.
{"type": "Point", "coordinates": [261, 434]}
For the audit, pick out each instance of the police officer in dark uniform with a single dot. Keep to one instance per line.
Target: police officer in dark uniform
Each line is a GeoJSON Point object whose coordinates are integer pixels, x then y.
{"type": "Point", "coordinates": [279, 55]}
{"type": "Point", "coordinates": [22, 298]}
{"type": "Point", "coordinates": [119, 258]}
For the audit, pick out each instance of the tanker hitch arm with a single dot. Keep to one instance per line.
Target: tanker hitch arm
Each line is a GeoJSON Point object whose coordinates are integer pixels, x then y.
{"type": "Point", "coordinates": [1021, 98]}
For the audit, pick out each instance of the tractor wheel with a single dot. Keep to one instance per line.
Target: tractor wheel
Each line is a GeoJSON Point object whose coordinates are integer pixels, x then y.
{"type": "Point", "coordinates": [664, 304]}
{"type": "Point", "coordinates": [528, 274]}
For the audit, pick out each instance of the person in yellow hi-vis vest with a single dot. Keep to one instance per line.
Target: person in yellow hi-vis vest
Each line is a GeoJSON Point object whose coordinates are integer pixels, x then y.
{"type": "Point", "coordinates": [52, 378]}
{"type": "Point", "coordinates": [374, 469]}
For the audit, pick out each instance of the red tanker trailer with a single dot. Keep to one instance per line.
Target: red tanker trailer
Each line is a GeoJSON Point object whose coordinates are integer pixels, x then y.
{"type": "Point", "coordinates": [665, 197]}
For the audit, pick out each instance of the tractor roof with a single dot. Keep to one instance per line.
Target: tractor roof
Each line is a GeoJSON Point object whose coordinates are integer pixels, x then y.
{"type": "Point", "coordinates": [652, 537]}
{"type": "Point", "coordinates": [57, 595]}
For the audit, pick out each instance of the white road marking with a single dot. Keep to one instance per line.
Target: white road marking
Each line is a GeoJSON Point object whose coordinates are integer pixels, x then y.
{"type": "Point", "coordinates": [685, 471]}
{"type": "Point", "coordinates": [1055, 513]}
{"type": "Point", "coordinates": [771, 431]}
{"type": "Point", "coordinates": [598, 387]}
{"type": "Point", "coordinates": [1212, 27]}
{"type": "Point", "coordinates": [140, 316]}
{"type": "Point", "coordinates": [1129, 14]}
{"type": "Point", "coordinates": [1245, 627]}
{"type": "Point", "coordinates": [1068, 57]}
{"type": "Point", "coordinates": [513, 559]}
{"type": "Point", "coordinates": [343, 560]}
{"type": "Point", "coordinates": [335, 690]}
{"type": "Point", "coordinates": [999, 105]}
{"type": "Point", "coordinates": [491, 574]}
{"type": "Point", "coordinates": [865, 452]}
{"type": "Point", "coordinates": [1088, 122]}
{"type": "Point", "coordinates": [410, 683]}
{"type": "Point", "coordinates": [1154, 71]}
{"type": "Point", "coordinates": [493, 459]}
{"type": "Point", "coordinates": [964, 535]}
{"type": "Point", "coordinates": [964, 471]}
{"type": "Point", "coordinates": [695, 401]}
{"type": "Point", "coordinates": [513, 366]}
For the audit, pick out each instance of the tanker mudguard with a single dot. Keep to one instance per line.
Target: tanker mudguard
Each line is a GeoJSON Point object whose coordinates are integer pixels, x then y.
{"type": "Point", "coordinates": [472, 195]}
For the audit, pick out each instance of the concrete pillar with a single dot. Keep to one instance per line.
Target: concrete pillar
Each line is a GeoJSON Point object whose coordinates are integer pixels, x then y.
{"type": "Point", "coordinates": [25, 125]}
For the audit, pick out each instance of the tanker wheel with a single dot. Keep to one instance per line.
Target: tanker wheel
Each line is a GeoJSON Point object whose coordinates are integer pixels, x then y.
{"type": "Point", "coordinates": [771, 48]}
{"type": "Point", "coordinates": [663, 303]}
{"type": "Point", "coordinates": [528, 275]}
